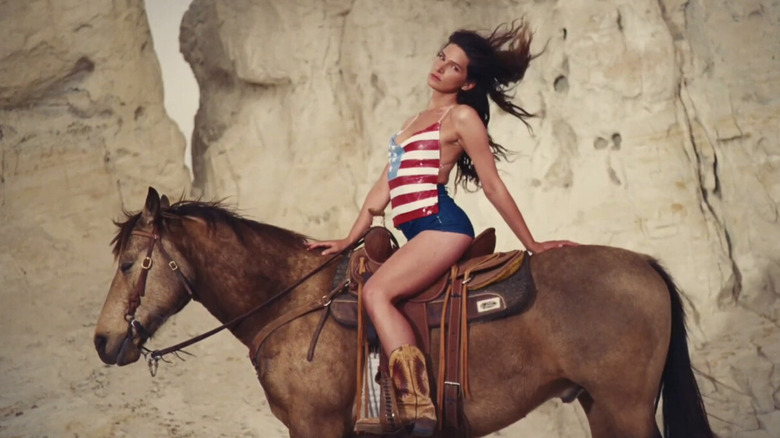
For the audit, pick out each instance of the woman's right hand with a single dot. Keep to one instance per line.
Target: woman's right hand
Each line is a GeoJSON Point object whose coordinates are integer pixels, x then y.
{"type": "Point", "coordinates": [540, 247]}
{"type": "Point", "coordinates": [331, 246]}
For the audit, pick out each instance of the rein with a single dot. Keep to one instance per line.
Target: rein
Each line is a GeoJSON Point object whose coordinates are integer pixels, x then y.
{"type": "Point", "coordinates": [153, 357]}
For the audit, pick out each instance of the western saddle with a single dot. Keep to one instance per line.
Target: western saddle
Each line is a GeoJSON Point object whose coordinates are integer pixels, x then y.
{"type": "Point", "coordinates": [484, 285]}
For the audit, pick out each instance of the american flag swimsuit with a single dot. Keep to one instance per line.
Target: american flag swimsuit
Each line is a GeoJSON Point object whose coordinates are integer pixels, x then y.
{"type": "Point", "coordinates": [413, 175]}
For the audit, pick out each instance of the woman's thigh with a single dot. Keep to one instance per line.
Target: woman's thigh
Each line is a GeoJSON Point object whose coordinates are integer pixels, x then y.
{"type": "Point", "coordinates": [417, 264]}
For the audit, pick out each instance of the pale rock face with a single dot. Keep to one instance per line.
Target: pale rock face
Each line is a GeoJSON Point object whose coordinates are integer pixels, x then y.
{"type": "Point", "coordinates": [657, 131]}
{"type": "Point", "coordinates": [83, 133]}
{"type": "Point", "coordinates": [83, 130]}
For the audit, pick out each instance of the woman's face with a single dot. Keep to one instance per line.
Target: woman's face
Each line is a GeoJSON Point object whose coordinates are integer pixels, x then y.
{"type": "Point", "coordinates": [448, 73]}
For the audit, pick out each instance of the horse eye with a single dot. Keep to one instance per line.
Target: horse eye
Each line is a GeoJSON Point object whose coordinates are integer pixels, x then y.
{"type": "Point", "coordinates": [126, 266]}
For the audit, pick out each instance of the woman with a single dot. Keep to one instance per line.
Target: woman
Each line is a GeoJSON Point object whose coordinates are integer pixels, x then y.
{"type": "Point", "coordinates": [451, 132]}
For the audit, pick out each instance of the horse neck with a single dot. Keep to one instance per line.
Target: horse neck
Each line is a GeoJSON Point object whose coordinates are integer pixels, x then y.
{"type": "Point", "coordinates": [233, 277]}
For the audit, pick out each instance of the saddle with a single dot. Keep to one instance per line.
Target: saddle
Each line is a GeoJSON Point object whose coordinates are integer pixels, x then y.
{"type": "Point", "coordinates": [482, 286]}
{"type": "Point", "coordinates": [479, 264]}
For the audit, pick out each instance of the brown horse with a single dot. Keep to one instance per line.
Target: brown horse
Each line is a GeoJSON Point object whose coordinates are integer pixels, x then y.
{"type": "Point", "coordinates": [606, 324]}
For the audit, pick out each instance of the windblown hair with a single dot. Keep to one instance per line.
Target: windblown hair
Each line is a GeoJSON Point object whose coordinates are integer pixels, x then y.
{"type": "Point", "coordinates": [496, 63]}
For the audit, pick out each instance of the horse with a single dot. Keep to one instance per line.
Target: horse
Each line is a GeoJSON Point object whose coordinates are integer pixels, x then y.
{"type": "Point", "coordinates": [606, 326]}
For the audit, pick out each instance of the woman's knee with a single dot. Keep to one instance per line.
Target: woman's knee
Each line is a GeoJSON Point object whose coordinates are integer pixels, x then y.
{"type": "Point", "coordinates": [376, 296]}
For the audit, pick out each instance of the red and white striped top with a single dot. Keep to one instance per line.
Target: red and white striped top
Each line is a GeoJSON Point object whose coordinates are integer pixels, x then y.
{"type": "Point", "coordinates": [413, 175]}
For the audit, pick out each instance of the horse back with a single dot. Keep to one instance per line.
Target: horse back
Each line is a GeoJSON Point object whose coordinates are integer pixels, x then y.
{"type": "Point", "coordinates": [599, 304]}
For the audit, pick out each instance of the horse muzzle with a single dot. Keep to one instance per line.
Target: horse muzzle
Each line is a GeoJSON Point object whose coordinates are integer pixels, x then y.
{"type": "Point", "coordinates": [118, 350]}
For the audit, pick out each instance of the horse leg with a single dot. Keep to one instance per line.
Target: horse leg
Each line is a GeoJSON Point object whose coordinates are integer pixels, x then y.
{"type": "Point", "coordinates": [313, 399]}
{"type": "Point", "coordinates": [308, 418]}
{"type": "Point", "coordinates": [319, 425]}
{"type": "Point", "coordinates": [618, 418]}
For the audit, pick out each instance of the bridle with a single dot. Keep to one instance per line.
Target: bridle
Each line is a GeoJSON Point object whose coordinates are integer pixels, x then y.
{"type": "Point", "coordinates": [140, 289]}
{"type": "Point", "coordinates": [153, 357]}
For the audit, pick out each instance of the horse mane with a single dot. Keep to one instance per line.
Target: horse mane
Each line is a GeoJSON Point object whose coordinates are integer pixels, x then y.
{"type": "Point", "coordinates": [213, 213]}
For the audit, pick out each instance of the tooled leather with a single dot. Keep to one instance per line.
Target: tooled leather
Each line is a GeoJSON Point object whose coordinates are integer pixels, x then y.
{"type": "Point", "coordinates": [401, 377]}
{"type": "Point", "coordinates": [508, 297]}
{"type": "Point", "coordinates": [421, 374]}
{"type": "Point", "coordinates": [410, 377]}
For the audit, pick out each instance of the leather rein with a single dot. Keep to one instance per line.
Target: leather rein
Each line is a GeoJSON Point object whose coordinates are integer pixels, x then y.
{"type": "Point", "coordinates": [153, 357]}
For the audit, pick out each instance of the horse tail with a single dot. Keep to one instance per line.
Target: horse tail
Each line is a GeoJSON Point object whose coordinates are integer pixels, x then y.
{"type": "Point", "coordinates": [683, 408]}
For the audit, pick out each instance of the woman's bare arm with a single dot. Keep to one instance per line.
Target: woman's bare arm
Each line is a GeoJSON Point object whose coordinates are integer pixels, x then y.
{"type": "Point", "coordinates": [473, 138]}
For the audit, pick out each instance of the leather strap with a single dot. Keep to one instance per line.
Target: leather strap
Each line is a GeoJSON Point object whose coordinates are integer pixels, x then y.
{"type": "Point", "coordinates": [317, 331]}
{"type": "Point", "coordinates": [452, 378]}
{"type": "Point", "coordinates": [361, 340]}
{"type": "Point", "coordinates": [463, 357]}
{"type": "Point", "coordinates": [442, 347]}
{"type": "Point", "coordinates": [146, 265]}
{"type": "Point", "coordinates": [295, 313]}
{"type": "Point", "coordinates": [417, 315]}
{"type": "Point", "coordinates": [156, 355]}
{"type": "Point", "coordinates": [175, 268]}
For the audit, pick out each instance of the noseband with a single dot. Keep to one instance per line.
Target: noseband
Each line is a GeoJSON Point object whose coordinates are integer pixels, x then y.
{"type": "Point", "coordinates": [140, 288]}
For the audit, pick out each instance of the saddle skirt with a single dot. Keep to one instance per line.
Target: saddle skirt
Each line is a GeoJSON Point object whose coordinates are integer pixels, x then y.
{"type": "Point", "coordinates": [499, 284]}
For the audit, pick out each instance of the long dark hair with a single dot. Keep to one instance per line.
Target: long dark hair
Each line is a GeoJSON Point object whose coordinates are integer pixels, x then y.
{"type": "Point", "coordinates": [494, 71]}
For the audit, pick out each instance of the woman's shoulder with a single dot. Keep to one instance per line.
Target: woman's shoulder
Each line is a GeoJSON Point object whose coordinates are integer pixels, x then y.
{"type": "Point", "coordinates": [462, 113]}
{"type": "Point", "coordinates": [460, 110]}
{"type": "Point", "coordinates": [465, 117]}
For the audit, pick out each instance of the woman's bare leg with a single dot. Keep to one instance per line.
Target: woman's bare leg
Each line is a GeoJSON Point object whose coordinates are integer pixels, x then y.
{"type": "Point", "coordinates": [414, 266]}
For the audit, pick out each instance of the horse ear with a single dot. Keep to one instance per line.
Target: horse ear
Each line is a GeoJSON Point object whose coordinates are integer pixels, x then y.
{"type": "Point", "coordinates": [164, 202]}
{"type": "Point", "coordinates": [151, 208]}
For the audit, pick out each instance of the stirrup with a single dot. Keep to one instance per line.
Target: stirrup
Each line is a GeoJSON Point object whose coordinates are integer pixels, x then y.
{"type": "Point", "coordinates": [375, 426]}
{"type": "Point", "coordinates": [387, 421]}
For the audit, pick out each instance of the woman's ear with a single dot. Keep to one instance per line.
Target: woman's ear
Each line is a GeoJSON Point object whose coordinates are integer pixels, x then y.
{"type": "Point", "coordinates": [468, 86]}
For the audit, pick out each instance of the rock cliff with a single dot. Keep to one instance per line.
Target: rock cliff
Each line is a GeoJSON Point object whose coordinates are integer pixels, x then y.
{"type": "Point", "coordinates": [657, 131]}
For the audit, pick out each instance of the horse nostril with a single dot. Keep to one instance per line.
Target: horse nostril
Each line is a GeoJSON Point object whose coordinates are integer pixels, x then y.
{"type": "Point", "coordinates": [100, 343]}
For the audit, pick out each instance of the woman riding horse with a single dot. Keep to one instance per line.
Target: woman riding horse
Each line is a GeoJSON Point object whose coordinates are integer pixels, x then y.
{"type": "Point", "coordinates": [451, 132]}
{"type": "Point", "coordinates": [606, 326]}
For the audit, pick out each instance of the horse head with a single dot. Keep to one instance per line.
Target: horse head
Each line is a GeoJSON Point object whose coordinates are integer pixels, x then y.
{"type": "Point", "coordinates": [149, 286]}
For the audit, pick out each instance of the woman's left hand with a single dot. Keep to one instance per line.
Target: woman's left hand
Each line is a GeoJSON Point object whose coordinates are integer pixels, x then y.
{"type": "Point", "coordinates": [540, 247]}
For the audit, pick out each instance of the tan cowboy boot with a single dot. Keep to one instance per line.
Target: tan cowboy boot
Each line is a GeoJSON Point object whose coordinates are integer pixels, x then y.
{"type": "Point", "coordinates": [410, 378]}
